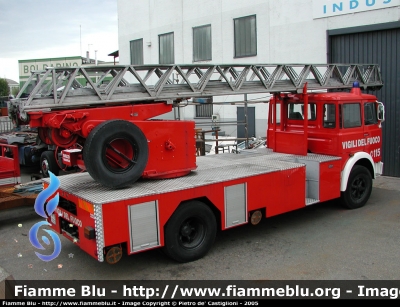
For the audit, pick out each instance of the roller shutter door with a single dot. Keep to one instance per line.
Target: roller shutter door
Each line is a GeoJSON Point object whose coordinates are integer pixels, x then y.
{"type": "Point", "coordinates": [376, 44]}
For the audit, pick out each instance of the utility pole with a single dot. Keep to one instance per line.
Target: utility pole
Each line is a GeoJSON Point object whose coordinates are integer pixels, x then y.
{"type": "Point", "coordinates": [80, 40]}
{"type": "Point", "coordinates": [88, 52]}
{"type": "Point", "coordinates": [246, 122]}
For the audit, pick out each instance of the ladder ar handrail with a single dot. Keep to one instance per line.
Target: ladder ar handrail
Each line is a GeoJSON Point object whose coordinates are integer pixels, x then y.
{"type": "Point", "coordinates": [150, 83]}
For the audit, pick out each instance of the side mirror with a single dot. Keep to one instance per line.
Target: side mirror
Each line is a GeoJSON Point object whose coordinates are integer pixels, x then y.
{"type": "Point", "coordinates": [380, 111]}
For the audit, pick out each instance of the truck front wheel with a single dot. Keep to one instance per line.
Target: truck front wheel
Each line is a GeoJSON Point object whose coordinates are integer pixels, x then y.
{"type": "Point", "coordinates": [48, 163]}
{"type": "Point", "coordinates": [359, 187]}
{"type": "Point", "coordinates": [190, 232]}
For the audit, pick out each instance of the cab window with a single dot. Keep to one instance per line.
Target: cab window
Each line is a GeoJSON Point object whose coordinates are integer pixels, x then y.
{"type": "Point", "coordinates": [329, 118]}
{"type": "Point", "coordinates": [277, 114]}
{"type": "Point", "coordinates": [351, 115]}
{"type": "Point", "coordinates": [296, 111]}
{"type": "Point", "coordinates": [370, 117]}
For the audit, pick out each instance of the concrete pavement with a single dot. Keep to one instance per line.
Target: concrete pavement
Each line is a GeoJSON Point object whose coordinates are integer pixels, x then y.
{"type": "Point", "coordinates": [389, 201]}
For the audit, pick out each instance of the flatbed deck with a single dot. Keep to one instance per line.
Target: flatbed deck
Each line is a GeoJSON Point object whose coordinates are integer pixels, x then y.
{"type": "Point", "coordinates": [211, 169]}
{"type": "Point", "coordinates": [231, 184]}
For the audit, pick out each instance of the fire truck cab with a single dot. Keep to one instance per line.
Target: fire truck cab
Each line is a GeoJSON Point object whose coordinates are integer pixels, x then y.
{"type": "Point", "coordinates": [344, 124]}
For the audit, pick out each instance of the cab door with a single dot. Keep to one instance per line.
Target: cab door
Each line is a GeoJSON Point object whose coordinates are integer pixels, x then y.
{"type": "Point", "coordinates": [352, 128]}
{"type": "Point", "coordinates": [372, 131]}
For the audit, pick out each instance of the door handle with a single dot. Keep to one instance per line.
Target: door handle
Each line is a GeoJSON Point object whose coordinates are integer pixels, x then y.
{"type": "Point", "coordinates": [366, 134]}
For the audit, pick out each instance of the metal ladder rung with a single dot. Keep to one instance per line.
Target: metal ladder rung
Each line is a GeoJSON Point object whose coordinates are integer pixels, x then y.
{"type": "Point", "coordinates": [149, 83]}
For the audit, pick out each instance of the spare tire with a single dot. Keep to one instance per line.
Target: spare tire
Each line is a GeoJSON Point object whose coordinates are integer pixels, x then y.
{"type": "Point", "coordinates": [116, 153]}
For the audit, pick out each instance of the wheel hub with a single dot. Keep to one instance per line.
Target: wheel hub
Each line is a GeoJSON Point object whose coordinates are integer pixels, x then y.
{"type": "Point", "coordinates": [187, 230]}
{"type": "Point", "coordinates": [120, 154]}
{"type": "Point", "coordinates": [45, 166]}
{"type": "Point", "coordinates": [358, 188]}
{"type": "Point", "coordinates": [191, 233]}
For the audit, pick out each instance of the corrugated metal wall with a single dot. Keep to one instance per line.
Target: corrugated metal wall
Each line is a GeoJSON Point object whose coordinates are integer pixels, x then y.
{"type": "Point", "coordinates": [376, 44]}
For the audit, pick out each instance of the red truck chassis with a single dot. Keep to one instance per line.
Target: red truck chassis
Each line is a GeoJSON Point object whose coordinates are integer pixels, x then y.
{"type": "Point", "coordinates": [320, 146]}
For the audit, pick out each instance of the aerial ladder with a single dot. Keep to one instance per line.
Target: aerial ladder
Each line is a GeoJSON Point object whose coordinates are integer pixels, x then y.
{"type": "Point", "coordinates": [102, 117]}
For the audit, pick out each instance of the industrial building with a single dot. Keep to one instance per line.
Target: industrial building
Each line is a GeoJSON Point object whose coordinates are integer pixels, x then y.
{"type": "Point", "coordinates": [262, 31]}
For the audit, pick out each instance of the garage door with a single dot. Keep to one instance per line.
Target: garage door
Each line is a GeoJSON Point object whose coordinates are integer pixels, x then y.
{"type": "Point", "coordinates": [377, 44]}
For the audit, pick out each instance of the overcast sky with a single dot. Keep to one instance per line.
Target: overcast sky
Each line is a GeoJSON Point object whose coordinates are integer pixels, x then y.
{"type": "Point", "coordinates": [35, 29]}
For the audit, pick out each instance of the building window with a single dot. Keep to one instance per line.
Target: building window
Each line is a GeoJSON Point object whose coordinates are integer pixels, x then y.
{"type": "Point", "coordinates": [202, 43]}
{"type": "Point", "coordinates": [136, 52]}
{"type": "Point", "coordinates": [204, 110]}
{"type": "Point", "coordinates": [166, 48]}
{"type": "Point", "coordinates": [245, 36]}
{"type": "Point", "coordinates": [204, 107]}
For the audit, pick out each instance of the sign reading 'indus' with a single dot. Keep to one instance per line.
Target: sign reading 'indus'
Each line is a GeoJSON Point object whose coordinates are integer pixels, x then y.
{"type": "Point", "coordinates": [327, 8]}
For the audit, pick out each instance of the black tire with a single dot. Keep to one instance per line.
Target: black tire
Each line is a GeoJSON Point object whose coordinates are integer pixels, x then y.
{"type": "Point", "coordinates": [48, 163]}
{"type": "Point", "coordinates": [359, 188]}
{"type": "Point", "coordinates": [116, 153]}
{"type": "Point", "coordinates": [190, 232]}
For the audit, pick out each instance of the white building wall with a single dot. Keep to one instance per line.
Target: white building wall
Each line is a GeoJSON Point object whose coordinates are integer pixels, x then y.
{"type": "Point", "coordinates": [288, 31]}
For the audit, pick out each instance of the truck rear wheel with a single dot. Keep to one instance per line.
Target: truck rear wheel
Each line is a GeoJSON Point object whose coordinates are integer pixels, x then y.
{"type": "Point", "coordinates": [190, 232]}
{"type": "Point", "coordinates": [116, 153]}
{"type": "Point", "coordinates": [48, 163]}
{"type": "Point", "coordinates": [359, 188]}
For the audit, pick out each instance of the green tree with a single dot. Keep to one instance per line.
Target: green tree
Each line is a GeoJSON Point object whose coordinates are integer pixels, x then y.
{"type": "Point", "coordinates": [15, 91]}
{"type": "Point", "coordinates": [4, 89]}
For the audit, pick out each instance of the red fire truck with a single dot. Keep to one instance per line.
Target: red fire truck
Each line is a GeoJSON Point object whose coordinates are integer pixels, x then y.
{"type": "Point", "coordinates": [10, 173]}
{"type": "Point", "coordinates": [323, 142]}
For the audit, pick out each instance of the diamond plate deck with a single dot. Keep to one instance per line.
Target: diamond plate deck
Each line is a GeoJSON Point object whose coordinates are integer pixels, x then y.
{"type": "Point", "coordinates": [211, 169]}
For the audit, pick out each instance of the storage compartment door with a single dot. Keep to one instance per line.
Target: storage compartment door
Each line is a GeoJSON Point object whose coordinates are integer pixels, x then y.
{"type": "Point", "coordinates": [235, 205]}
{"type": "Point", "coordinates": [143, 226]}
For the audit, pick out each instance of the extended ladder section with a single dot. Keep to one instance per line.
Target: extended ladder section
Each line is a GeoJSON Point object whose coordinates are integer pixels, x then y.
{"type": "Point", "coordinates": [77, 87]}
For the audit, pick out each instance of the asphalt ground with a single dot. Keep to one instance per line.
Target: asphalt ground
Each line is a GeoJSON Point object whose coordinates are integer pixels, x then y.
{"type": "Point", "coordinates": [320, 242]}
